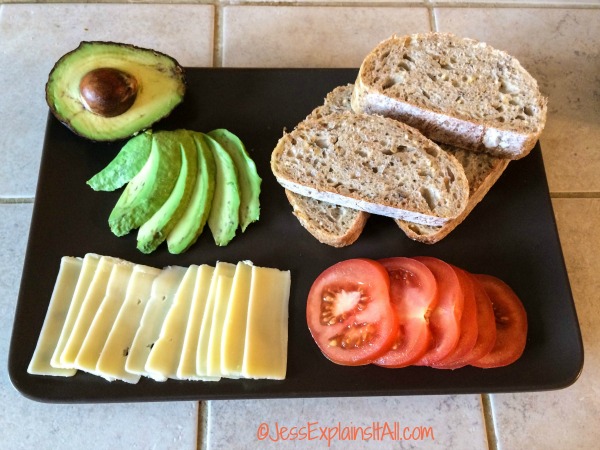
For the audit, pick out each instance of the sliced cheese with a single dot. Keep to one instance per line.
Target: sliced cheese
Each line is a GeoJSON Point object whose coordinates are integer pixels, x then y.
{"type": "Point", "coordinates": [265, 354]}
{"type": "Point", "coordinates": [187, 362]}
{"type": "Point", "coordinates": [114, 354]}
{"type": "Point", "coordinates": [213, 358]}
{"type": "Point", "coordinates": [93, 298]}
{"type": "Point", "coordinates": [221, 269]}
{"type": "Point", "coordinates": [234, 326]}
{"type": "Point", "coordinates": [60, 300]}
{"type": "Point", "coordinates": [91, 348]}
{"type": "Point", "coordinates": [90, 262]}
{"type": "Point", "coordinates": [164, 357]}
{"type": "Point", "coordinates": [163, 292]}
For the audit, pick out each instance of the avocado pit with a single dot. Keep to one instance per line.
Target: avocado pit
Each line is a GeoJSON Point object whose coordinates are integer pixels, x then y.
{"type": "Point", "coordinates": [108, 92]}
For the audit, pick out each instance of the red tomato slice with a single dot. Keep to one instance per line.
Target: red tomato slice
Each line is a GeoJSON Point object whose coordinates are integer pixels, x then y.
{"type": "Point", "coordinates": [511, 324]}
{"type": "Point", "coordinates": [349, 312]}
{"type": "Point", "coordinates": [486, 327]}
{"type": "Point", "coordinates": [468, 325]}
{"type": "Point", "coordinates": [486, 323]}
{"type": "Point", "coordinates": [413, 292]}
{"type": "Point", "coordinates": [444, 321]}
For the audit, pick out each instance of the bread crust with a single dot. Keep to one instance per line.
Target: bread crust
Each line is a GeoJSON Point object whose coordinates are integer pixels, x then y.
{"type": "Point", "coordinates": [356, 158]}
{"type": "Point", "coordinates": [477, 191]}
{"type": "Point", "coordinates": [342, 236]}
{"type": "Point", "coordinates": [375, 94]}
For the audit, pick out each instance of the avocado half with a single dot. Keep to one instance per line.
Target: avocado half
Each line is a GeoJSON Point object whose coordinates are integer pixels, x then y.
{"type": "Point", "coordinates": [155, 85]}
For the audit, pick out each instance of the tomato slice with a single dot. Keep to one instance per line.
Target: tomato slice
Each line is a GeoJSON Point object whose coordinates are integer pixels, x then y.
{"type": "Point", "coordinates": [413, 292]}
{"type": "Point", "coordinates": [468, 325]}
{"type": "Point", "coordinates": [486, 323]}
{"type": "Point", "coordinates": [486, 327]}
{"type": "Point", "coordinates": [511, 324]}
{"type": "Point", "coordinates": [444, 321]}
{"type": "Point", "coordinates": [349, 312]}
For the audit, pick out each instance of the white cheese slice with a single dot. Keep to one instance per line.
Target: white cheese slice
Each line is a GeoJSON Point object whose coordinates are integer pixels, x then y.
{"type": "Point", "coordinates": [90, 262]}
{"type": "Point", "coordinates": [60, 300]}
{"type": "Point", "coordinates": [187, 362]}
{"type": "Point", "coordinates": [89, 308]}
{"type": "Point", "coordinates": [164, 357]}
{"type": "Point", "coordinates": [234, 326]}
{"type": "Point", "coordinates": [163, 292]}
{"type": "Point", "coordinates": [265, 354]}
{"type": "Point", "coordinates": [213, 362]}
{"type": "Point", "coordinates": [91, 348]}
{"type": "Point", "coordinates": [221, 269]}
{"type": "Point", "coordinates": [114, 354]}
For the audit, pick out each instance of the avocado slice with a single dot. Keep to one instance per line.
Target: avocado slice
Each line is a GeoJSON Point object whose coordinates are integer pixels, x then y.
{"type": "Point", "coordinates": [106, 91]}
{"type": "Point", "coordinates": [127, 164]}
{"type": "Point", "coordinates": [191, 224]}
{"type": "Point", "coordinates": [223, 219]}
{"type": "Point", "coordinates": [153, 232]}
{"type": "Point", "coordinates": [150, 188]}
{"type": "Point", "coordinates": [248, 177]}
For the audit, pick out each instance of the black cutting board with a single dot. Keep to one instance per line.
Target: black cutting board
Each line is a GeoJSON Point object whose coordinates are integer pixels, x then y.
{"type": "Point", "coordinates": [511, 234]}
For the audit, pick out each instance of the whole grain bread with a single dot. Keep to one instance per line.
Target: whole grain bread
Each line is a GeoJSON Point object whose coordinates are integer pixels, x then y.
{"type": "Point", "coordinates": [374, 164]}
{"type": "Point", "coordinates": [482, 171]}
{"type": "Point", "coordinates": [330, 224]}
{"type": "Point", "coordinates": [455, 90]}
{"type": "Point", "coordinates": [340, 226]}
{"type": "Point", "coordinates": [338, 100]}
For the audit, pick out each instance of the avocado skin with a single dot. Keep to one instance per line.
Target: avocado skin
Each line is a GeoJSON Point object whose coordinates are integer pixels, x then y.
{"type": "Point", "coordinates": [156, 99]}
{"type": "Point", "coordinates": [150, 188]}
{"type": "Point", "coordinates": [192, 222]}
{"type": "Point", "coordinates": [248, 177]}
{"type": "Point", "coordinates": [127, 164]}
{"type": "Point", "coordinates": [223, 219]}
{"type": "Point", "coordinates": [153, 232]}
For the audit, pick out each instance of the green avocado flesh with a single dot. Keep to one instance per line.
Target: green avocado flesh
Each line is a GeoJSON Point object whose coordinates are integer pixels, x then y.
{"type": "Point", "coordinates": [160, 80]}
{"type": "Point", "coordinates": [223, 219]}
{"type": "Point", "coordinates": [127, 164]}
{"type": "Point", "coordinates": [153, 232]}
{"type": "Point", "coordinates": [191, 224]}
{"type": "Point", "coordinates": [249, 179]}
{"type": "Point", "coordinates": [177, 182]}
{"type": "Point", "coordinates": [150, 188]}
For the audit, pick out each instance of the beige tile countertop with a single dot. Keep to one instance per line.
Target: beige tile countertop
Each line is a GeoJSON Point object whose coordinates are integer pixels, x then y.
{"type": "Point", "coordinates": [558, 41]}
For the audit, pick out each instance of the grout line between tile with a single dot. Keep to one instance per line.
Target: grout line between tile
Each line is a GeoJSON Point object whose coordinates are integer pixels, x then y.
{"type": "Point", "coordinates": [16, 200]}
{"type": "Point", "coordinates": [201, 442]}
{"type": "Point", "coordinates": [218, 36]}
{"type": "Point", "coordinates": [396, 4]}
{"type": "Point", "coordinates": [509, 5]}
{"type": "Point", "coordinates": [488, 420]}
{"type": "Point", "coordinates": [590, 194]}
{"type": "Point", "coordinates": [433, 25]}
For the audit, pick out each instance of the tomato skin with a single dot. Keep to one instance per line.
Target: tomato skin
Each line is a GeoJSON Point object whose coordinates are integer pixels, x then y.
{"type": "Point", "coordinates": [444, 321]}
{"type": "Point", "coordinates": [511, 324]}
{"type": "Point", "coordinates": [486, 323]}
{"type": "Point", "coordinates": [414, 311]}
{"type": "Point", "coordinates": [336, 316]}
{"type": "Point", "coordinates": [413, 293]}
{"type": "Point", "coordinates": [469, 329]}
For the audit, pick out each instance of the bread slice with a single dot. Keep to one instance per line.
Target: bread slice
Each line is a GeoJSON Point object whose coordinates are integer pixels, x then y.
{"type": "Point", "coordinates": [330, 224]}
{"type": "Point", "coordinates": [338, 100]}
{"type": "Point", "coordinates": [454, 90]}
{"type": "Point", "coordinates": [339, 226]}
{"type": "Point", "coordinates": [482, 171]}
{"type": "Point", "coordinates": [374, 164]}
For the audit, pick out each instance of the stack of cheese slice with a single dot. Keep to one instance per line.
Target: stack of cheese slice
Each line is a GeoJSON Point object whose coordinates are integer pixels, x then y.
{"type": "Point", "coordinates": [122, 321]}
